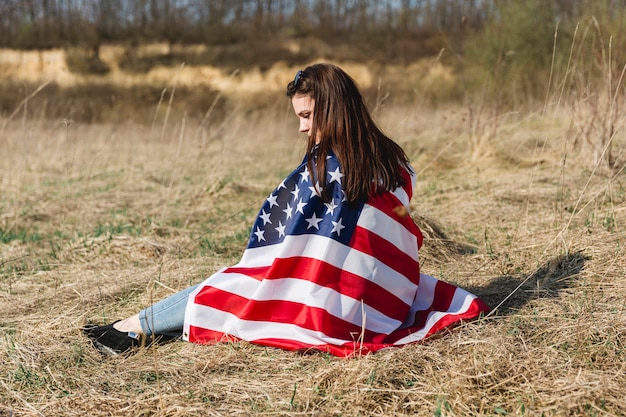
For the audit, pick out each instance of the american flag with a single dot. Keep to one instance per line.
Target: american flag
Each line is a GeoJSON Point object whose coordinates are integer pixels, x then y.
{"type": "Point", "coordinates": [332, 276]}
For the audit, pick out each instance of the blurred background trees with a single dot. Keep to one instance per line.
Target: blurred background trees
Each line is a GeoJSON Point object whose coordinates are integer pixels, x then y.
{"type": "Point", "coordinates": [510, 52]}
{"type": "Point", "coordinates": [59, 23]}
{"type": "Point", "coordinates": [492, 33]}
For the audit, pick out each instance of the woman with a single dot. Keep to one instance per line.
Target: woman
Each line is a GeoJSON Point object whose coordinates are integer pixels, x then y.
{"type": "Point", "coordinates": [332, 262]}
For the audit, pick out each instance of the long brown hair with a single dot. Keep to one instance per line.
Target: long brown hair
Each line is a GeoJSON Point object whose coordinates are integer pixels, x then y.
{"type": "Point", "coordinates": [371, 162]}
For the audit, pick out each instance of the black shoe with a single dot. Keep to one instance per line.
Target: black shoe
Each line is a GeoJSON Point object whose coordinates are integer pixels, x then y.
{"type": "Point", "coordinates": [111, 341]}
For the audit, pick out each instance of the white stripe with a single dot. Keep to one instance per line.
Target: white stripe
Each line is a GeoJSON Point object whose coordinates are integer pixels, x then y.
{"type": "Point", "coordinates": [402, 195]}
{"type": "Point", "coordinates": [308, 293]}
{"type": "Point", "coordinates": [336, 254]}
{"type": "Point", "coordinates": [424, 297]}
{"type": "Point", "coordinates": [378, 222]}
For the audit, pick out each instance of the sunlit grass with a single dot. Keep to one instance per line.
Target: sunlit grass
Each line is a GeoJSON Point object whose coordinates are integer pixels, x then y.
{"type": "Point", "coordinates": [97, 221]}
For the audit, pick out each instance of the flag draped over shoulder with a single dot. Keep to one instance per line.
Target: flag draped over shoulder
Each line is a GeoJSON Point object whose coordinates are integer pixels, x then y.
{"type": "Point", "coordinates": [336, 277]}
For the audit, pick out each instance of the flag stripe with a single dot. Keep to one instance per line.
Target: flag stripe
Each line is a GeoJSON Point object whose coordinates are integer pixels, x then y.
{"type": "Point", "coordinates": [387, 227]}
{"type": "Point", "coordinates": [341, 349]}
{"type": "Point", "coordinates": [336, 254]}
{"type": "Point", "coordinates": [329, 276]}
{"type": "Point", "coordinates": [283, 311]}
{"type": "Point", "coordinates": [255, 330]}
{"type": "Point", "coordinates": [368, 242]}
{"type": "Point", "coordinates": [429, 314]}
{"type": "Point", "coordinates": [438, 320]}
{"type": "Point", "coordinates": [298, 291]}
{"type": "Point", "coordinates": [285, 340]}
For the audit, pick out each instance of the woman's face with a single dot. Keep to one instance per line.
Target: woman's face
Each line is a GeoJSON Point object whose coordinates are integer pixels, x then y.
{"type": "Point", "coordinates": [303, 106]}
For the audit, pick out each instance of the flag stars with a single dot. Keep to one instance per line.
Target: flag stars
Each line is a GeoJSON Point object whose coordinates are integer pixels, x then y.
{"type": "Point", "coordinates": [315, 190]}
{"type": "Point", "coordinates": [272, 200]}
{"type": "Point", "coordinates": [337, 226]}
{"type": "Point", "coordinates": [296, 207]}
{"type": "Point", "coordinates": [330, 207]}
{"type": "Point", "coordinates": [280, 229]}
{"type": "Point", "coordinates": [259, 234]}
{"type": "Point", "coordinates": [300, 206]}
{"type": "Point", "coordinates": [313, 222]}
{"type": "Point", "coordinates": [335, 175]}
{"type": "Point", "coordinates": [295, 192]}
{"type": "Point", "coordinates": [265, 217]}
{"type": "Point", "coordinates": [288, 211]}
{"type": "Point", "coordinates": [305, 174]}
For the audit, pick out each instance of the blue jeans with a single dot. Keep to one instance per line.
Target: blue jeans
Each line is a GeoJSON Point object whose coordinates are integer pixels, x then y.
{"type": "Point", "coordinates": [167, 316]}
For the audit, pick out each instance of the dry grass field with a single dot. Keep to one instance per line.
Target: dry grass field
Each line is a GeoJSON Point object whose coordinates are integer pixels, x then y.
{"type": "Point", "coordinates": [97, 221]}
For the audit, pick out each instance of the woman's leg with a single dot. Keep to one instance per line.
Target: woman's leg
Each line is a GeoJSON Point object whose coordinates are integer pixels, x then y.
{"type": "Point", "coordinates": [167, 316]}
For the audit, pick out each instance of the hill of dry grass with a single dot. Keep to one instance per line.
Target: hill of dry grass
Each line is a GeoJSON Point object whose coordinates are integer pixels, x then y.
{"type": "Point", "coordinates": [96, 221]}
{"type": "Point", "coordinates": [142, 82]}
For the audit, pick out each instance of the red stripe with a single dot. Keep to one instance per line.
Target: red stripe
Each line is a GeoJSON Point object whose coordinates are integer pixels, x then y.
{"type": "Point", "coordinates": [368, 242]}
{"type": "Point", "coordinates": [475, 308]}
{"type": "Point", "coordinates": [408, 183]}
{"type": "Point", "coordinates": [209, 337]}
{"type": "Point", "coordinates": [349, 349]}
{"type": "Point", "coordinates": [329, 276]}
{"type": "Point", "coordinates": [443, 294]}
{"type": "Point", "coordinates": [281, 311]}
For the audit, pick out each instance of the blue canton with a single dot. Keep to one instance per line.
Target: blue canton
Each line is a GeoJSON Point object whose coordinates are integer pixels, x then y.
{"type": "Point", "coordinates": [296, 208]}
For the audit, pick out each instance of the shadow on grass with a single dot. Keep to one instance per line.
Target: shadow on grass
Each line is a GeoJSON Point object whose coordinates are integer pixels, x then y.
{"type": "Point", "coordinates": [506, 294]}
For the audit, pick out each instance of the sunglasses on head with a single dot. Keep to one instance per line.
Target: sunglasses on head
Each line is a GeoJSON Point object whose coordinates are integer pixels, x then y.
{"type": "Point", "coordinates": [297, 78]}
